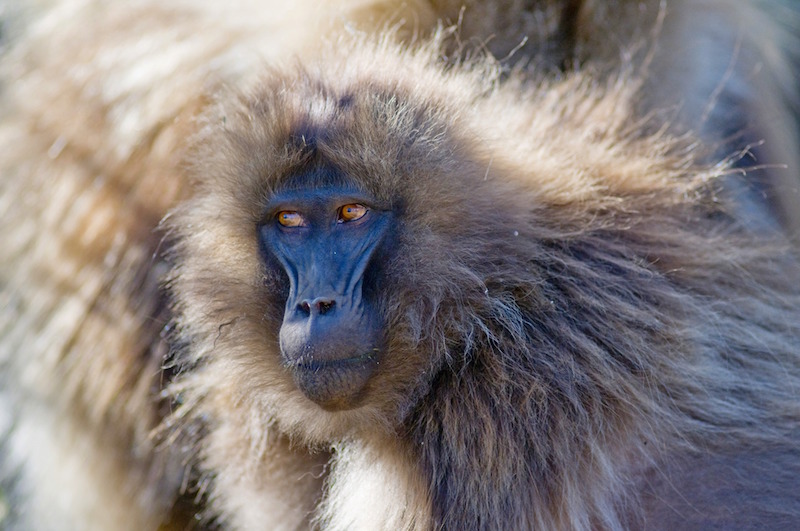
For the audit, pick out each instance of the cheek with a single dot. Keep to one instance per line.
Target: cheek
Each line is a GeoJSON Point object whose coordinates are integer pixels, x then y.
{"type": "Point", "coordinates": [387, 274]}
{"type": "Point", "coordinates": [274, 293]}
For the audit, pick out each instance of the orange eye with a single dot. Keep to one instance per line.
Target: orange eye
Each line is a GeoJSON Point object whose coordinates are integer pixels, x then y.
{"type": "Point", "coordinates": [290, 218]}
{"type": "Point", "coordinates": [352, 212]}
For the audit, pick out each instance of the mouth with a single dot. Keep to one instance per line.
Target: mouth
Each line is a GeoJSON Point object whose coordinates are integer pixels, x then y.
{"type": "Point", "coordinates": [335, 384]}
{"type": "Point", "coordinates": [311, 363]}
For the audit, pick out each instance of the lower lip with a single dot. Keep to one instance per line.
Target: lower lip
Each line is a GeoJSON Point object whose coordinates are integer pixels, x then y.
{"type": "Point", "coordinates": [346, 363]}
{"type": "Point", "coordinates": [335, 385]}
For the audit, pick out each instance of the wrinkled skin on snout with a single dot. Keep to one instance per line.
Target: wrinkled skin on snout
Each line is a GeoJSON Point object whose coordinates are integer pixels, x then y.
{"type": "Point", "coordinates": [326, 240]}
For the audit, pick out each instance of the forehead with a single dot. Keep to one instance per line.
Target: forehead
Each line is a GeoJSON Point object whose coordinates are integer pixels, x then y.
{"type": "Point", "coordinates": [321, 186]}
{"type": "Point", "coordinates": [372, 140]}
{"type": "Point", "coordinates": [316, 176]}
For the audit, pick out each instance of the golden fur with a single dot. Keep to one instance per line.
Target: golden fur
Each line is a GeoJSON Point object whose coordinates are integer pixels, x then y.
{"type": "Point", "coordinates": [591, 312]}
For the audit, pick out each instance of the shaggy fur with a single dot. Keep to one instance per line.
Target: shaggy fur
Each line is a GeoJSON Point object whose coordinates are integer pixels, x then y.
{"type": "Point", "coordinates": [593, 318]}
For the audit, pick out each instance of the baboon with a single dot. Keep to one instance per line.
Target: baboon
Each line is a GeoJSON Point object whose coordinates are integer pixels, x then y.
{"type": "Point", "coordinates": [382, 265]}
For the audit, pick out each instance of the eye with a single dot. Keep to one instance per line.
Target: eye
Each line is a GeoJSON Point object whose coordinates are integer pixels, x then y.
{"type": "Point", "coordinates": [290, 218]}
{"type": "Point", "coordinates": [352, 212]}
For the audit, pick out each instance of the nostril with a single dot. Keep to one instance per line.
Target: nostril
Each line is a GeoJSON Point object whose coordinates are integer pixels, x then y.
{"type": "Point", "coordinates": [319, 306]}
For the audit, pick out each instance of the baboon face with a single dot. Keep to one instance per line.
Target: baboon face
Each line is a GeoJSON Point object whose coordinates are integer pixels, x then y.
{"type": "Point", "coordinates": [328, 241]}
{"type": "Point", "coordinates": [319, 256]}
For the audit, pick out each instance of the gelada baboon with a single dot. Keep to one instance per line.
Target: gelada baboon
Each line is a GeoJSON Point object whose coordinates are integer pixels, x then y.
{"type": "Point", "coordinates": [381, 265]}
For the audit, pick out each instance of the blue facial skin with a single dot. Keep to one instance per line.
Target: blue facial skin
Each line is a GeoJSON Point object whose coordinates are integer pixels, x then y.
{"type": "Point", "coordinates": [325, 239]}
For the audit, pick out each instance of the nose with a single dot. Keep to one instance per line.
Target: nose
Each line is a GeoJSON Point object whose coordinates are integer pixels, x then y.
{"type": "Point", "coordinates": [317, 306]}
